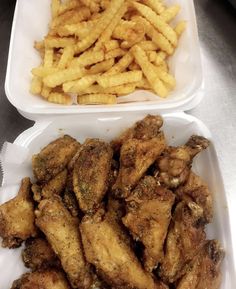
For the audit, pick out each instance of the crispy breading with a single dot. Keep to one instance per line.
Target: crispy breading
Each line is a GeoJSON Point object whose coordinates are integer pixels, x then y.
{"type": "Point", "coordinates": [174, 165]}
{"type": "Point", "coordinates": [17, 217]}
{"type": "Point", "coordinates": [114, 260]}
{"type": "Point", "coordinates": [38, 254]}
{"type": "Point", "coordinates": [49, 279]}
{"type": "Point", "coordinates": [204, 270]}
{"type": "Point", "coordinates": [148, 216]}
{"type": "Point", "coordinates": [53, 158]}
{"type": "Point", "coordinates": [185, 238]}
{"type": "Point", "coordinates": [61, 231]}
{"type": "Point", "coordinates": [91, 173]}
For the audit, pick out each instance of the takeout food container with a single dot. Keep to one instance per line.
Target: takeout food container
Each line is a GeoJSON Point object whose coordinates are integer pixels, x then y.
{"type": "Point", "coordinates": [31, 23]}
{"type": "Point", "coordinates": [178, 127]}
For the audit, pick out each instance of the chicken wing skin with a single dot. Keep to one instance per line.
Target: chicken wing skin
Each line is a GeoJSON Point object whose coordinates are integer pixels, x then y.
{"type": "Point", "coordinates": [204, 270]}
{"type": "Point", "coordinates": [49, 279]}
{"type": "Point", "coordinates": [62, 232]}
{"type": "Point", "coordinates": [144, 129]}
{"type": "Point", "coordinates": [38, 254]}
{"type": "Point", "coordinates": [148, 217]}
{"type": "Point", "coordinates": [196, 190]}
{"type": "Point", "coordinates": [185, 238]}
{"type": "Point", "coordinates": [136, 156]}
{"type": "Point", "coordinates": [175, 163]}
{"type": "Point", "coordinates": [54, 158]}
{"type": "Point", "coordinates": [91, 174]}
{"type": "Point", "coordinates": [17, 217]}
{"type": "Point", "coordinates": [107, 250]}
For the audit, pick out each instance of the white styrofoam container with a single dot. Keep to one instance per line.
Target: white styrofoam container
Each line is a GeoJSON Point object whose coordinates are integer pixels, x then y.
{"type": "Point", "coordinates": [31, 23]}
{"type": "Point", "coordinates": [178, 127]}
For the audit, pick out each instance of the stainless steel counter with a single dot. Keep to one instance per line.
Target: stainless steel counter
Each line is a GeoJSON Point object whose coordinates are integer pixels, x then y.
{"type": "Point", "coordinates": [217, 32]}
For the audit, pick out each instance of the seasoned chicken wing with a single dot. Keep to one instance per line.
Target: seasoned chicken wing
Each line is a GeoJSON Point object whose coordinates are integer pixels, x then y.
{"type": "Point", "coordinates": [185, 237]}
{"type": "Point", "coordinates": [144, 129]}
{"type": "Point", "coordinates": [17, 217]}
{"type": "Point", "coordinates": [148, 216]}
{"type": "Point", "coordinates": [38, 254]}
{"type": "Point", "coordinates": [196, 190]}
{"type": "Point", "coordinates": [114, 260]}
{"type": "Point", "coordinates": [136, 156]}
{"type": "Point", "coordinates": [54, 158]}
{"type": "Point", "coordinates": [49, 279]}
{"type": "Point", "coordinates": [204, 270]}
{"type": "Point", "coordinates": [174, 165]}
{"type": "Point", "coordinates": [62, 232]}
{"type": "Point", "coordinates": [91, 174]}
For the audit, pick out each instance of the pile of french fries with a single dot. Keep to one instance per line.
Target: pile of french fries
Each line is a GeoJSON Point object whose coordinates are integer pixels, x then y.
{"type": "Point", "coordinates": [98, 50]}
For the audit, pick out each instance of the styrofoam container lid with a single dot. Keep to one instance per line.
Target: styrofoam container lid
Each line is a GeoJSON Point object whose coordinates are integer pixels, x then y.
{"type": "Point", "coordinates": [177, 127]}
{"type": "Point", "coordinates": [31, 23]}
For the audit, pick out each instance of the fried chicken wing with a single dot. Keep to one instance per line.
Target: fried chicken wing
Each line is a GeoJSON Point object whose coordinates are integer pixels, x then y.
{"type": "Point", "coordinates": [107, 250]}
{"type": "Point", "coordinates": [175, 163]}
{"type": "Point", "coordinates": [17, 217]}
{"type": "Point", "coordinates": [185, 238]}
{"type": "Point", "coordinates": [196, 190]}
{"type": "Point", "coordinates": [148, 217]}
{"type": "Point", "coordinates": [144, 129]}
{"type": "Point", "coordinates": [91, 174]}
{"type": "Point", "coordinates": [54, 158]}
{"type": "Point", "coordinates": [38, 254]}
{"type": "Point", "coordinates": [136, 156]}
{"type": "Point", "coordinates": [204, 270]}
{"type": "Point", "coordinates": [49, 279]}
{"type": "Point", "coordinates": [62, 232]}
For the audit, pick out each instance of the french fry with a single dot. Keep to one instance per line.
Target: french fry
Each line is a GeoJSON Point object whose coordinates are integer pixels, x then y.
{"type": "Point", "coordinates": [119, 78]}
{"type": "Point", "coordinates": [92, 5]}
{"type": "Point", "coordinates": [45, 91]}
{"type": "Point", "coordinates": [134, 66]}
{"type": "Point", "coordinates": [68, 5]}
{"type": "Point", "coordinates": [48, 57]}
{"type": "Point", "coordinates": [80, 85]}
{"type": "Point", "coordinates": [157, 22]}
{"type": "Point", "coordinates": [96, 99]}
{"type": "Point", "coordinates": [70, 17]}
{"type": "Point", "coordinates": [124, 30]}
{"type": "Point", "coordinates": [156, 5]}
{"type": "Point", "coordinates": [103, 21]}
{"type": "Point", "coordinates": [118, 52]}
{"type": "Point", "coordinates": [118, 90]}
{"type": "Point", "coordinates": [59, 98]}
{"type": "Point", "coordinates": [43, 71]}
{"type": "Point", "coordinates": [121, 65]}
{"type": "Point", "coordinates": [149, 71]}
{"type": "Point", "coordinates": [66, 57]}
{"type": "Point", "coordinates": [101, 66]}
{"type": "Point", "coordinates": [166, 77]}
{"type": "Point", "coordinates": [106, 34]}
{"type": "Point", "coordinates": [104, 4]}
{"type": "Point", "coordinates": [143, 84]}
{"type": "Point", "coordinates": [36, 85]}
{"type": "Point", "coordinates": [80, 29]}
{"type": "Point", "coordinates": [57, 42]}
{"type": "Point", "coordinates": [168, 14]}
{"type": "Point", "coordinates": [156, 37]}
{"type": "Point", "coordinates": [110, 45]}
{"type": "Point", "coordinates": [62, 76]}
{"type": "Point", "coordinates": [180, 27]}
{"type": "Point", "coordinates": [88, 58]}
{"type": "Point", "coordinates": [160, 57]}
{"type": "Point", "coordinates": [151, 55]}
{"type": "Point", "coordinates": [148, 45]}
{"type": "Point", "coordinates": [55, 6]}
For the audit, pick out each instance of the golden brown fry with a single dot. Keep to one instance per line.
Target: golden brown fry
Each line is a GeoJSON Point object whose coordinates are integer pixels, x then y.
{"type": "Point", "coordinates": [156, 5]}
{"type": "Point", "coordinates": [38, 254]}
{"type": "Point", "coordinates": [80, 85]}
{"type": "Point", "coordinates": [59, 98]}
{"type": "Point", "coordinates": [117, 52]}
{"type": "Point", "coordinates": [53, 158]}
{"type": "Point", "coordinates": [58, 42]}
{"type": "Point", "coordinates": [36, 85]}
{"type": "Point", "coordinates": [101, 66]}
{"type": "Point", "coordinates": [87, 58]}
{"type": "Point", "coordinates": [17, 217]}
{"type": "Point", "coordinates": [61, 230]}
{"type": "Point", "coordinates": [96, 98]}
{"type": "Point", "coordinates": [168, 14]}
{"type": "Point", "coordinates": [47, 279]}
{"type": "Point", "coordinates": [91, 172]}
{"type": "Point", "coordinates": [118, 90]}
